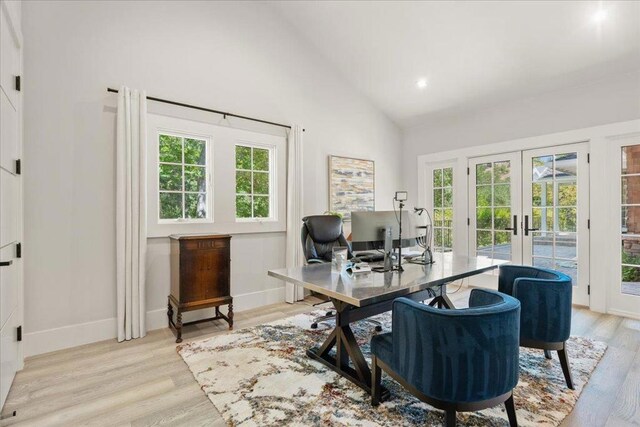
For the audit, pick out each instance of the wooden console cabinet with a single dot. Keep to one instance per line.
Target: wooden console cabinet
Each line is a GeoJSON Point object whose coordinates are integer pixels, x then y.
{"type": "Point", "coordinates": [200, 277]}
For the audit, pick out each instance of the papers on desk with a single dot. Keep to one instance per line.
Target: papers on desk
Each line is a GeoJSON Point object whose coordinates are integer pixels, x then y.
{"type": "Point", "coordinates": [358, 268]}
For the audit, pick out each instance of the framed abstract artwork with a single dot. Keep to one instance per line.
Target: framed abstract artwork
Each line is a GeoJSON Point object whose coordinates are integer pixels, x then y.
{"type": "Point", "coordinates": [351, 185]}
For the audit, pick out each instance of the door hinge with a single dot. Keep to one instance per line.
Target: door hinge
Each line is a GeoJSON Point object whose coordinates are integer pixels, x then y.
{"type": "Point", "coordinates": [19, 250]}
{"type": "Point", "coordinates": [19, 334]}
{"type": "Point", "coordinates": [468, 171]}
{"type": "Point", "coordinates": [588, 157]}
{"type": "Point", "coordinates": [18, 83]}
{"type": "Point", "coordinates": [468, 221]}
{"type": "Point", "coordinates": [588, 289]}
{"type": "Point", "coordinates": [18, 167]}
{"type": "Point", "coordinates": [589, 224]}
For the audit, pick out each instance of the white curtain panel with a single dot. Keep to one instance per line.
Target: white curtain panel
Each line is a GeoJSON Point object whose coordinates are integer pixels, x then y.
{"type": "Point", "coordinates": [131, 206]}
{"type": "Point", "coordinates": [294, 253]}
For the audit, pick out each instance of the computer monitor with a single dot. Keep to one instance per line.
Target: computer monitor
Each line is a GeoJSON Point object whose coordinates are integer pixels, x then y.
{"type": "Point", "coordinates": [368, 228]}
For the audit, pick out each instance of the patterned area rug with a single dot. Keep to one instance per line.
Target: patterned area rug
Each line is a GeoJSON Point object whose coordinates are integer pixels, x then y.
{"type": "Point", "coordinates": [261, 376]}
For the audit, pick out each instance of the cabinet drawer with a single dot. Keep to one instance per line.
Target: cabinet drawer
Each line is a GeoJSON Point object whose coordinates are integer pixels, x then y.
{"type": "Point", "coordinates": [200, 245]}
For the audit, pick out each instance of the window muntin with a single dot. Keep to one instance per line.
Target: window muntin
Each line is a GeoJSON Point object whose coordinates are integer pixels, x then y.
{"type": "Point", "coordinates": [443, 209]}
{"type": "Point", "coordinates": [183, 187]}
{"type": "Point", "coordinates": [630, 220]}
{"type": "Point", "coordinates": [254, 182]}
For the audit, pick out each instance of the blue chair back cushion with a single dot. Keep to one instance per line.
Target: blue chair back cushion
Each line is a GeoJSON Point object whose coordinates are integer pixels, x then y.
{"type": "Point", "coordinates": [545, 296]}
{"type": "Point", "coordinates": [466, 355]}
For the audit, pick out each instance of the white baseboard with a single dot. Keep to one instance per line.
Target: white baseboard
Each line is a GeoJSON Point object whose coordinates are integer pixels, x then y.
{"type": "Point", "coordinates": [86, 333]}
{"type": "Point", "coordinates": [623, 313]}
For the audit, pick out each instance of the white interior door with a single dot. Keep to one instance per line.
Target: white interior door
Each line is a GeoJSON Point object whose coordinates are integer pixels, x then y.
{"type": "Point", "coordinates": [555, 198]}
{"type": "Point", "coordinates": [10, 198]}
{"type": "Point", "coordinates": [494, 209]}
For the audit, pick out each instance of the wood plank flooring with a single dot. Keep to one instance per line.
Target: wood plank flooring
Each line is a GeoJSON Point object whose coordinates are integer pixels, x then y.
{"type": "Point", "coordinates": [145, 383]}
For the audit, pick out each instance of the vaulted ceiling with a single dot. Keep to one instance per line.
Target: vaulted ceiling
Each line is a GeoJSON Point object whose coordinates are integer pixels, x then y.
{"type": "Point", "coordinates": [471, 53]}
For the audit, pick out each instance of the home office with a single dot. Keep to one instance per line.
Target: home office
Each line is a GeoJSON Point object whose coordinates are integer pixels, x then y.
{"type": "Point", "coordinates": [319, 213]}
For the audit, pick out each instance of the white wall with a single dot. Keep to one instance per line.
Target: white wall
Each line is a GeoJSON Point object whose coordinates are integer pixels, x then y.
{"type": "Point", "coordinates": [236, 56]}
{"type": "Point", "coordinates": [613, 100]}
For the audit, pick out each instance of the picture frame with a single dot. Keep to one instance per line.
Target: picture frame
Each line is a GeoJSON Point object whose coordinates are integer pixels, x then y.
{"type": "Point", "coordinates": [351, 185]}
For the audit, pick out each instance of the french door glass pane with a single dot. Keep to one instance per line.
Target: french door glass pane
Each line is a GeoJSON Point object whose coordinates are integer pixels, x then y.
{"type": "Point", "coordinates": [630, 220]}
{"type": "Point", "coordinates": [437, 178]}
{"type": "Point", "coordinates": [502, 218]}
{"type": "Point", "coordinates": [630, 160]}
{"type": "Point", "coordinates": [493, 209]}
{"type": "Point", "coordinates": [568, 267]}
{"type": "Point", "coordinates": [443, 209]}
{"type": "Point", "coordinates": [554, 197]}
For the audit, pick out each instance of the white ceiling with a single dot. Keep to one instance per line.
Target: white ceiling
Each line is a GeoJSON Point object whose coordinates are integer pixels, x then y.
{"type": "Point", "coordinates": [473, 54]}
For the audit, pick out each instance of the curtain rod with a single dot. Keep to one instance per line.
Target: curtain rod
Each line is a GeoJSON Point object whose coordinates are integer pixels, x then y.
{"type": "Point", "coordinates": [209, 110]}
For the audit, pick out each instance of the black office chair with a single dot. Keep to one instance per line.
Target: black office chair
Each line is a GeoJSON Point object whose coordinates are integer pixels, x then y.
{"type": "Point", "coordinates": [320, 234]}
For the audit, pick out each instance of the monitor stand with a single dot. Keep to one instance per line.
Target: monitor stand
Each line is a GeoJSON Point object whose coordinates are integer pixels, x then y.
{"type": "Point", "coordinates": [388, 254]}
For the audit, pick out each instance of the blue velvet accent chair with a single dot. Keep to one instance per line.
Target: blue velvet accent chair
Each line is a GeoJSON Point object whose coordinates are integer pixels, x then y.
{"type": "Point", "coordinates": [545, 296]}
{"type": "Point", "coordinates": [455, 360]}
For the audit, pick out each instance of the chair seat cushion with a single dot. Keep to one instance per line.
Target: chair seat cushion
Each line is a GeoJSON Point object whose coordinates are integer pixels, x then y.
{"type": "Point", "coordinates": [382, 347]}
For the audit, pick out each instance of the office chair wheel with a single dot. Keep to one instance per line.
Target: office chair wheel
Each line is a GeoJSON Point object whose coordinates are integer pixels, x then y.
{"type": "Point", "coordinates": [378, 328]}
{"type": "Point", "coordinates": [329, 313]}
{"type": "Point", "coordinates": [314, 326]}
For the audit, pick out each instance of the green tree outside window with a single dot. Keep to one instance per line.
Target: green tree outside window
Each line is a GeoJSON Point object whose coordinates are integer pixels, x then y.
{"type": "Point", "coordinates": [253, 182]}
{"type": "Point", "coordinates": [182, 177]}
{"type": "Point", "coordinates": [442, 179]}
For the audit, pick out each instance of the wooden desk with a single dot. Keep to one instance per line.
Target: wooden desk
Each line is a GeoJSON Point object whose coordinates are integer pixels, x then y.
{"type": "Point", "coordinates": [365, 296]}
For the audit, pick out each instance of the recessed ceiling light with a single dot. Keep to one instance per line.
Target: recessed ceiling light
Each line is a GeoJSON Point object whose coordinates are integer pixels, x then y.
{"type": "Point", "coordinates": [422, 83]}
{"type": "Point", "coordinates": [599, 16]}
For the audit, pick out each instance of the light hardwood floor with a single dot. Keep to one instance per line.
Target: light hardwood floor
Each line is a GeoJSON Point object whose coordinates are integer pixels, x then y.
{"type": "Point", "coordinates": [145, 383]}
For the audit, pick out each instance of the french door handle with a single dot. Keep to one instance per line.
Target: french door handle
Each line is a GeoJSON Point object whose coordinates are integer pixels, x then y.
{"type": "Point", "coordinates": [515, 226]}
{"type": "Point", "coordinates": [5, 263]}
{"type": "Point", "coordinates": [526, 226]}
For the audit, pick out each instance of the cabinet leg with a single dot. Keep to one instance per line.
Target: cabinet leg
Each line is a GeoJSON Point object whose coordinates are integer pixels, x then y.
{"type": "Point", "coordinates": [230, 315]}
{"type": "Point", "coordinates": [169, 312]}
{"type": "Point", "coordinates": [179, 327]}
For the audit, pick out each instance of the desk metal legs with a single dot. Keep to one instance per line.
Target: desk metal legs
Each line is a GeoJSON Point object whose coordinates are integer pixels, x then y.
{"type": "Point", "coordinates": [349, 360]}
{"type": "Point", "coordinates": [442, 300]}
{"type": "Point", "coordinates": [347, 350]}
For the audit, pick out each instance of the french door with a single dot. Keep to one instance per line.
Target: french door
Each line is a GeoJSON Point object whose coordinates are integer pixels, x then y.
{"type": "Point", "coordinates": [531, 207]}
{"type": "Point", "coordinates": [624, 284]}
{"type": "Point", "coordinates": [555, 195]}
{"type": "Point", "coordinates": [494, 205]}
{"type": "Point", "coordinates": [10, 199]}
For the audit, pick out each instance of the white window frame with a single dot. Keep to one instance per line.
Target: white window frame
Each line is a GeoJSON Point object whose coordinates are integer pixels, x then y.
{"type": "Point", "coordinates": [273, 179]}
{"type": "Point", "coordinates": [208, 170]}
{"type": "Point", "coordinates": [221, 165]}
{"type": "Point", "coordinates": [429, 168]}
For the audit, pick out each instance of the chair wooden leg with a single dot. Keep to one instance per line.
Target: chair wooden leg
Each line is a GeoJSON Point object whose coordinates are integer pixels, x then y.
{"type": "Point", "coordinates": [566, 370]}
{"type": "Point", "coordinates": [376, 378]}
{"type": "Point", "coordinates": [547, 354]}
{"type": "Point", "coordinates": [450, 418]}
{"type": "Point", "coordinates": [511, 411]}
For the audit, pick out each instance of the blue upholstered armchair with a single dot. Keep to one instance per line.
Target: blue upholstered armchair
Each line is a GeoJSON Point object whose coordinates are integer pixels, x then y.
{"type": "Point", "coordinates": [545, 296]}
{"type": "Point", "coordinates": [455, 360]}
